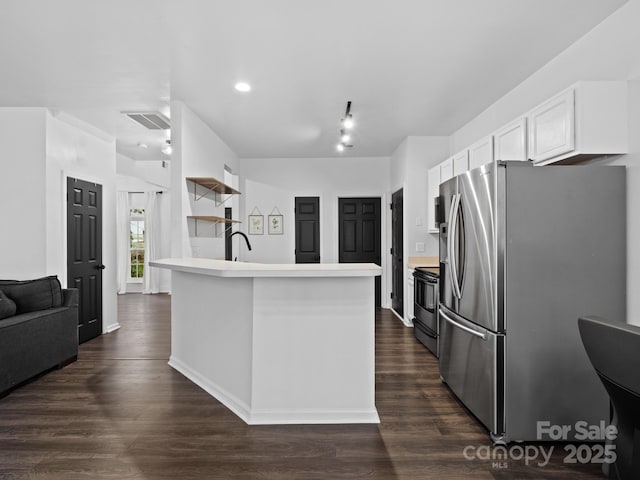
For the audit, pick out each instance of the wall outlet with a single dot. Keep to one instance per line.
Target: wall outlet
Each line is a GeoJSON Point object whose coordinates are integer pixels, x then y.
{"type": "Point", "coordinates": [419, 246]}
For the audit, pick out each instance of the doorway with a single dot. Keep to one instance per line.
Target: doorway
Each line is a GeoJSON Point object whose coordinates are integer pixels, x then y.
{"type": "Point", "coordinates": [307, 219]}
{"type": "Point", "coordinates": [397, 274]}
{"type": "Point", "coordinates": [359, 234]}
{"type": "Point", "coordinates": [84, 253]}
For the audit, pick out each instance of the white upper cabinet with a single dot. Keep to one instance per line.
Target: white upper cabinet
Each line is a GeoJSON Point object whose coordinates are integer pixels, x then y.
{"type": "Point", "coordinates": [433, 191]}
{"type": "Point", "coordinates": [585, 121]}
{"type": "Point", "coordinates": [510, 142]}
{"type": "Point", "coordinates": [446, 170]}
{"type": "Point", "coordinates": [460, 162]}
{"type": "Point", "coordinates": [481, 153]}
{"type": "Point", "coordinates": [551, 128]}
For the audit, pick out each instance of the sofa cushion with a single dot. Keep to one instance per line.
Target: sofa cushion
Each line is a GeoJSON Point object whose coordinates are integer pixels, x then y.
{"type": "Point", "coordinates": [33, 295]}
{"type": "Point", "coordinates": [7, 306]}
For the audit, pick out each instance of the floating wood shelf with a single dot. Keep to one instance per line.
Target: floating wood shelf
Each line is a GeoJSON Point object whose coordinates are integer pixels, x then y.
{"type": "Point", "coordinates": [212, 219]}
{"type": "Point", "coordinates": [212, 185]}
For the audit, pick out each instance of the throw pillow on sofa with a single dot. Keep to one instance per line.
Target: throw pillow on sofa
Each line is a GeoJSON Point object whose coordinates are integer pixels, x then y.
{"type": "Point", "coordinates": [7, 306]}
{"type": "Point", "coordinates": [33, 295]}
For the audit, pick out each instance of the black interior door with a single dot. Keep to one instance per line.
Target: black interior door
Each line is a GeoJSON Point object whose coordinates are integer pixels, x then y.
{"type": "Point", "coordinates": [228, 243]}
{"type": "Point", "coordinates": [84, 253]}
{"type": "Point", "coordinates": [397, 274]}
{"type": "Point", "coordinates": [359, 233]}
{"type": "Point", "coordinates": [307, 212]}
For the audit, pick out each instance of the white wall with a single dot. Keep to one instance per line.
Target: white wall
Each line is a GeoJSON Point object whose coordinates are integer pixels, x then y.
{"type": "Point", "coordinates": [40, 151]}
{"type": "Point", "coordinates": [608, 52]}
{"type": "Point", "coordinates": [197, 152]}
{"type": "Point", "coordinates": [409, 170]}
{"type": "Point", "coordinates": [23, 252]}
{"type": "Point", "coordinates": [423, 153]}
{"type": "Point", "coordinates": [78, 150]}
{"type": "Point", "coordinates": [409, 167]}
{"type": "Point", "coordinates": [275, 182]}
{"type": "Point", "coordinates": [150, 171]}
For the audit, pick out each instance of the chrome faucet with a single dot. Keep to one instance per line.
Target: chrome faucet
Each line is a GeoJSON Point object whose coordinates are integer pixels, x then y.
{"type": "Point", "coordinates": [246, 239]}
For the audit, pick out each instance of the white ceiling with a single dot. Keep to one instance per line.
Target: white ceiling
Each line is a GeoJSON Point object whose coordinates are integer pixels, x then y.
{"type": "Point", "coordinates": [410, 67]}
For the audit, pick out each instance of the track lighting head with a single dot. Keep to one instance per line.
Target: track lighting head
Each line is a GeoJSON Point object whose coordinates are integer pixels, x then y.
{"type": "Point", "coordinates": [347, 124]}
{"type": "Point", "coordinates": [347, 121]}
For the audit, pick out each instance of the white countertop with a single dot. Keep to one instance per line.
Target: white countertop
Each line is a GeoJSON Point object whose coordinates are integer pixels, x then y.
{"type": "Point", "coordinates": [224, 268]}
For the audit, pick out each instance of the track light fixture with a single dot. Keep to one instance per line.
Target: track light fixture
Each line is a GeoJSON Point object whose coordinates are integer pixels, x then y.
{"type": "Point", "coordinates": [347, 124]}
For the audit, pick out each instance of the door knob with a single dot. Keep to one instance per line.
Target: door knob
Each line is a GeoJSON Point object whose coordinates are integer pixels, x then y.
{"type": "Point", "coordinates": [100, 267]}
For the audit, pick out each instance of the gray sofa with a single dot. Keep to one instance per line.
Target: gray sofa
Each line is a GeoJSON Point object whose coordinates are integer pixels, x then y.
{"type": "Point", "coordinates": [38, 329]}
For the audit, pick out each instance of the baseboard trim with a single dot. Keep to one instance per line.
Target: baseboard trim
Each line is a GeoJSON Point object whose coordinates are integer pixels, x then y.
{"type": "Point", "coordinates": [404, 322]}
{"type": "Point", "coordinates": [300, 416]}
{"type": "Point", "coordinates": [233, 403]}
{"type": "Point", "coordinates": [273, 417]}
{"type": "Point", "coordinates": [112, 328]}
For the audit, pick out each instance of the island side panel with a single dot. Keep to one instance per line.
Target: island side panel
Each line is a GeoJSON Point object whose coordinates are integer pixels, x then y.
{"type": "Point", "coordinates": [211, 330]}
{"type": "Point", "coordinates": [314, 350]}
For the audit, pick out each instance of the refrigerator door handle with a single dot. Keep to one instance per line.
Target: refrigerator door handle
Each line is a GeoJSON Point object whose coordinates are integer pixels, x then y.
{"type": "Point", "coordinates": [461, 327]}
{"type": "Point", "coordinates": [450, 258]}
{"type": "Point", "coordinates": [453, 233]}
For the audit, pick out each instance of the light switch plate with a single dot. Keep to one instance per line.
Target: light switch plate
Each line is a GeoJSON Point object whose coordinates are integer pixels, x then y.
{"type": "Point", "coordinates": [419, 246]}
{"type": "Point", "coordinates": [418, 221]}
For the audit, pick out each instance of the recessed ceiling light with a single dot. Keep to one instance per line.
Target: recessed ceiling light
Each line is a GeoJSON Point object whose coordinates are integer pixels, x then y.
{"type": "Point", "coordinates": [243, 87]}
{"type": "Point", "coordinates": [142, 145]}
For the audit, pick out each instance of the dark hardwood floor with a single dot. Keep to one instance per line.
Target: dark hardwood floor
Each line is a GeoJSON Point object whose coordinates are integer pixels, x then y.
{"type": "Point", "coordinates": [121, 412]}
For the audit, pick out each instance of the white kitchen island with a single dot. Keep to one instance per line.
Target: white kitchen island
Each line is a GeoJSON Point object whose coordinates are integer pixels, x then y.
{"type": "Point", "coordinates": [277, 343]}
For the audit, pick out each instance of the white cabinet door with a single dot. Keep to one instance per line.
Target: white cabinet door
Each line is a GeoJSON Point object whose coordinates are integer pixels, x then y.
{"type": "Point", "coordinates": [510, 142]}
{"type": "Point", "coordinates": [446, 170]}
{"type": "Point", "coordinates": [552, 127]}
{"type": "Point", "coordinates": [433, 190]}
{"type": "Point", "coordinates": [481, 153]}
{"type": "Point", "coordinates": [460, 162]}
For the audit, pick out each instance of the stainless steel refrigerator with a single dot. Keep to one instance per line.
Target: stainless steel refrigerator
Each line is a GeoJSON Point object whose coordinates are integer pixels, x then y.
{"type": "Point", "coordinates": [524, 252]}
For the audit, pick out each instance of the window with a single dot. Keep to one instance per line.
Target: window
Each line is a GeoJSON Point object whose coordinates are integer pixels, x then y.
{"type": "Point", "coordinates": [136, 244]}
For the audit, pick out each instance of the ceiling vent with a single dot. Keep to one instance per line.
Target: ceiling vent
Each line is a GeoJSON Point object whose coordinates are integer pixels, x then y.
{"type": "Point", "coordinates": [150, 120]}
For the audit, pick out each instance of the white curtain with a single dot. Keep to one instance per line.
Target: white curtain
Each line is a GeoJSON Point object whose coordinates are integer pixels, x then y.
{"type": "Point", "coordinates": [150, 242]}
{"type": "Point", "coordinates": [123, 240]}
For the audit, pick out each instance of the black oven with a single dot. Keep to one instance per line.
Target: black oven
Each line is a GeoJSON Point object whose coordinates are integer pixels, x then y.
{"type": "Point", "coordinates": [425, 323]}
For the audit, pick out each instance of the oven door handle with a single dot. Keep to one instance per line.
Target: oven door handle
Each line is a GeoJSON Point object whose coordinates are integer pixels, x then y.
{"type": "Point", "coordinates": [462, 327]}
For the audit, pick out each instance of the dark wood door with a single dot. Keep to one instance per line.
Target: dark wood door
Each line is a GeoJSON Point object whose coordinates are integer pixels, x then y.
{"type": "Point", "coordinates": [397, 273]}
{"type": "Point", "coordinates": [84, 253]}
{"type": "Point", "coordinates": [307, 211]}
{"type": "Point", "coordinates": [359, 233]}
